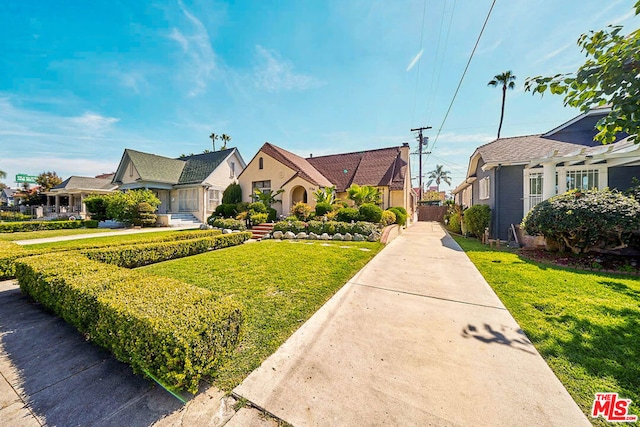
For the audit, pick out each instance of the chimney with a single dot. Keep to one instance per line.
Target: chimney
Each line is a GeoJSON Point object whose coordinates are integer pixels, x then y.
{"type": "Point", "coordinates": [404, 152]}
{"type": "Point", "coordinates": [311, 155]}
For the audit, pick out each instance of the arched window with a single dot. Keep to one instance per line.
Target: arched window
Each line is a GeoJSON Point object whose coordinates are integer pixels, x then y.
{"type": "Point", "coordinates": [260, 163]}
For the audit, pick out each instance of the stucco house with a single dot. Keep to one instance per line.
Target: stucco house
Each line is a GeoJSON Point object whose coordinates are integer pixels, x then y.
{"type": "Point", "coordinates": [188, 187]}
{"type": "Point", "coordinates": [67, 198]}
{"type": "Point", "coordinates": [274, 168]}
{"type": "Point", "coordinates": [512, 175]}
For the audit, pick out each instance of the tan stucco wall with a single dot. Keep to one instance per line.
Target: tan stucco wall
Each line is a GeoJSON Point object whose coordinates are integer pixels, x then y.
{"type": "Point", "coordinates": [272, 170]}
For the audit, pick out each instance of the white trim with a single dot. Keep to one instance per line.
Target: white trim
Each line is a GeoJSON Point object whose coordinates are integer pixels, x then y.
{"type": "Point", "coordinates": [484, 188]}
{"type": "Point", "coordinates": [595, 111]}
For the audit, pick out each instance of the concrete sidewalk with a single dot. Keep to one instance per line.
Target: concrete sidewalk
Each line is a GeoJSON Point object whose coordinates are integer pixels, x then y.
{"type": "Point", "coordinates": [416, 338]}
{"type": "Point", "coordinates": [119, 232]}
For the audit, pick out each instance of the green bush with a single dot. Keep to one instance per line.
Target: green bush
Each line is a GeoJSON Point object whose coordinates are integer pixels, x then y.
{"type": "Point", "coordinates": [232, 194]}
{"type": "Point", "coordinates": [388, 218]}
{"type": "Point", "coordinates": [14, 216]}
{"type": "Point", "coordinates": [348, 215]}
{"type": "Point", "coordinates": [477, 219]}
{"type": "Point", "coordinates": [226, 210]}
{"type": "Point", "coordinates": [585, 220]}
{"type": "Point", "coordinates": [145, 216]}
{"type": "Point", "coordinates": [230, 223]}
{"type": "Point", "coordinates": [91, 223]}
{"type": "Point", "coordinates": [258, 207]}
{"type": "Point", "coordinates": [401, 215]}
{"type": "Point", "coordinates": [301, 211]}
{"type": "Point", "coordinates": [123, 207]}
{"type": "Point", "coordinates": [322, 208]}
{"type": "Point", "coordinates": [9, 252]}
{"type": "Point", "coordinates": [258, 218]}
{"type": "Point", "coordinates": [132, 256]}
{"type": "Point", "coordinates": [12, 227]}
{"type": "Point", "coordinates": [97, 207]}
{"type": "Point", "coordinates": [272, 215]}
{"type": "Point", "coordinates": [174, 331]}
{"type": "Point", "coordinates": [329, 227]}
{"type": "Point", "coordinates": [370, 213]}
{"type": "Point", "coordinates": [454, 223]}
{"type": "Point", "coordinates": [294, 226]}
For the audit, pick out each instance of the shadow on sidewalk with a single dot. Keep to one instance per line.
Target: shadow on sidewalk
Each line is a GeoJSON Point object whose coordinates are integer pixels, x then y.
{"type": "Point", "coordinates": [66, 380]}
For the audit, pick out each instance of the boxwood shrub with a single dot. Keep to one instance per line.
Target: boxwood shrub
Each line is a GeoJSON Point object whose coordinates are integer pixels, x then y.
{"type": "Point", "coordinates": [229, 223]}
{"type": "Point", "coordinates": [12, 227]}
{"type": "Point", "coordinates": [9, 252]}
{"type": "Point", "coordinates": [370, 213]}
{"type": "Point", "coordinates": [172, 330]}
{"type": "Point", "coordinates": [348, 214]}
{"type": "Point", "coordinates": [401, 215]}
{"type": "Point", "coordinates": [477, 218]}
{"type": "Point", "coordinates": [329, 227]}
{"type": "Point", "coordinates": [131, 256]}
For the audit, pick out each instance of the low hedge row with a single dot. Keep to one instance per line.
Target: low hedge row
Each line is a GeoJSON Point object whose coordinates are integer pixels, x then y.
{"type": "Point", "coordinates": [12, 227]}
{"type": "Point", "coordinates": [160, 326]}
{"type": "Point", "coordinates": [10, 251]}
{"type": "Point", "coordinates": [329, 227]}
{"type": "Point", "coordinates": [132, 256]}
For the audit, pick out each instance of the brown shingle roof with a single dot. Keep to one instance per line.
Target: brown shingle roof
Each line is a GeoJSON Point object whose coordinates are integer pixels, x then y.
{"type": "Point", "coordinates": [379, 167]}
{"type": "Point", "coordinates": [523, 149]}
{"type": "Point", "coordinates": [302, 167]}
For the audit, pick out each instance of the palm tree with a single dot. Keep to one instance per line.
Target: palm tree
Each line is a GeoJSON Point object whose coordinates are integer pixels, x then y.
{"type": "Point", "coordinates": [438, 175]}
{"type": "Point", "coordinates": [506, 80]}
{"type": "Point", "coordinates": [364, 194]}
{"type": "Point", "coordinates": [225, 138]}
{"type": "Point", "coordinates": [267, 197]}
{"type": "Point", "coordinates": [213, 137]}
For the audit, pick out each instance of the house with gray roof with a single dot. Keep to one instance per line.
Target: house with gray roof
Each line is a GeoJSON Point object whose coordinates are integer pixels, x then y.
{"type": "Point", "coordinates": [7, 196]}
{"type": "Point", "coordinates": [274, 168]}
{"type": "Point", "coordinates": [512, 175]}
{"type": "Point", "coordinates": [67, 198]}
{"type": "Point", "coordinates": [189, 188]}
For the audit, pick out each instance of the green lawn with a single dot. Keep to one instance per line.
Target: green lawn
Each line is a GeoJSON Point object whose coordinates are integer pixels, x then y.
{"type": "Point", "coordinates": [28, 235]}
{"type": "Point", "coordinates": [119, 239]}
{"type": "Point", "coordinates": [281, 284]}
{"type": "Point", "coordinates": [586, 325]}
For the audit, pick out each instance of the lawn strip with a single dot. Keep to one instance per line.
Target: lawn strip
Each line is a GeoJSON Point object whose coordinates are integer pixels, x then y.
{"type": "Point", "coordinates": [586, 325]}
{"type": "Point", "coordinates": [28, 235]}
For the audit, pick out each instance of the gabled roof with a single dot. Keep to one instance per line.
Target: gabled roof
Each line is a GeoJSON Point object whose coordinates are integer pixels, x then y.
{"type": "Point", "coordinates": [301, 166]}
{"type": "Point", "coordinates": [153, 168]}
{"type": "Point", "coordinates": [9, 192]}
{"type": "Point", "coordinates": [381, 167]}
{"type": "Point", "coordinates": [85, 183]}
{"type": "Point", "coordinates": [200, 166]}
{"type": "Point", "coordinates": [521, 149]}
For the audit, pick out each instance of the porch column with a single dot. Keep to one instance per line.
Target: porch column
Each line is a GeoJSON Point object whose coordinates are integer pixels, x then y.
{"type": "Point", "coordinates": [83, 208]}
{"type": "Point", "coordinates": [548, 180]}
{"type": "Point", "coordinates": [57, 204]}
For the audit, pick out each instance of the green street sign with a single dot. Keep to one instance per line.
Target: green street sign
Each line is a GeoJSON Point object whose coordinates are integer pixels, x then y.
{"type": "Point", "coordinates": [22, 178]}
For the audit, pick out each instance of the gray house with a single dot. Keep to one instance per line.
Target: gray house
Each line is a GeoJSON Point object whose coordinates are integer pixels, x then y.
{"type": "Point", "coordinates": [7, 196]}
{"type": "Point", "coordinates": [512, 175]}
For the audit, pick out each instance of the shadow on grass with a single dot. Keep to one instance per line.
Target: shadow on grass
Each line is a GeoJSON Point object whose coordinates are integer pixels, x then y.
{"type": "Point", "coordinates": [620, 288]}
{"type": "Point", "coordinates": [493, 336]}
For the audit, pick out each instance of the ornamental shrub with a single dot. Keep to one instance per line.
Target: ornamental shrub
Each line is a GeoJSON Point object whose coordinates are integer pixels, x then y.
{"type": "Point", "coordinates": [123, 206]}
{"type": "Point", "coordinates": [258, 207]}
{"type": "Point", "coordinates": [229, 223]}
{"type": "Point", "coordinates": [388, 218]}
{"type": "Point", "coordinates": [370, 213]}
{"type": "Point", "coordinates": [322, 208]}
{"type": "Point", "coordinates": [226, 210]}
{"type": "Point", "coordinates": [258, 218]}
{"type": "Point", "coordinates": [477, 218]}
{"type": "Point", "coordinates": [232, 194]}
{"type": "Point", "coordinates": [91, 223]}
{"type": "Point", "coordinates": [401, 215]}
{"type": "Point", "coordinates": [97, 207]}
{"type": "Point", "coordinates": [348, 214]}
{"type": "Point", "coordinates": [301, 211]}
{"type": "Point", "coordinates": [144, 215]}
{"type": "Point", "coordinates": [11, 227]}
{"type": "Point", "coordinates": [272, 215]}
{"type": "Point", "coordinates": [454, 223]}
{"type": "Point", "coordinates": [583, 221]}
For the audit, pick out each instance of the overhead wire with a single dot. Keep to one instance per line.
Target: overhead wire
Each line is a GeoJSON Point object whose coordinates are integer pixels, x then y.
{"type": "Point", "coordinates": [466, 68]}
{"type": "Point", "coordinates": [415, 92]}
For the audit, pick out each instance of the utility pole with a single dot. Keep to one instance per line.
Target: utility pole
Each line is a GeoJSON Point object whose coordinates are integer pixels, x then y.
{"type": "Point", "coordinates": [420, 144]}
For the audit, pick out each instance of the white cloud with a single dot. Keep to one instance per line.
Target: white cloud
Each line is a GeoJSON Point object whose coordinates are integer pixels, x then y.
{"type": "Point", "coordinates": [196, 45]}
{"type": "Point", "coordinates": [415, 60]}
{"type": "Point", "coordinates": [274, 74]}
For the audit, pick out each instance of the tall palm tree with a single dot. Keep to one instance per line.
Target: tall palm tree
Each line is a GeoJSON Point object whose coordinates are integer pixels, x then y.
{"type": "Point", "coordinates": [506, 80]}
{"type": "Point", "coordinates": [438, 175]}
{"type": "Point", "coordinates": [225, 138]}
{"type": "Point", "coordinates": [3, 174]}
{"type": "Point", "coordinates": [213, 137]}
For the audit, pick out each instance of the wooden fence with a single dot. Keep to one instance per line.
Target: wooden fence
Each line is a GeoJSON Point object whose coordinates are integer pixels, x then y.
{"type": "Point", "coordinates": [431, 213]}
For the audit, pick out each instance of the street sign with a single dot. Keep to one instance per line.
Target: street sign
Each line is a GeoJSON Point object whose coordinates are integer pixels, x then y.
{"type": "Point", "coordinates": [22, 178]}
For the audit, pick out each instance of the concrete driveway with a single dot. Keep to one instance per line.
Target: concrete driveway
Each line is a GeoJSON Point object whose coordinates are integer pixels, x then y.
{"type": "Point", "coordinates": [416, 338]}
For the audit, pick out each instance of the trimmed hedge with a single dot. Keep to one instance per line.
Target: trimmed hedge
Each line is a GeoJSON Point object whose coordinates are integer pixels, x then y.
{"type": "Point", "coordinates": [229, 223]}
{"type": "Point", "coordinates": [401, 215]}
{"type": "Point", "coordinates": [160, 326]}
{"type": "Point", "coordinates": [329, 227]}
{"type": "Point", "coordinates": [9, 252]}
{"type": "Point", "coordinates": [12, 227]}
{"type": "Point", "coordinates": [137, 255]}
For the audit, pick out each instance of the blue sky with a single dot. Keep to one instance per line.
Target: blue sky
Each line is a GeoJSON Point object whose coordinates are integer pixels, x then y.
{"type": "Point", "coordinates": [82, 81]}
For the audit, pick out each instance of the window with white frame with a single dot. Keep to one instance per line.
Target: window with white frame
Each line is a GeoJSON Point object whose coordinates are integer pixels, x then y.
{"type": "Point", "coordinates": [261, 185]}
{"type": "Point", "coordinates": [214, 199]}
{"type": "Point", "coordinates": [484, 189]}
{"type": "Point", "coordinates": [232, 172]}
{"type": "Point", "coordinates": [582, 179]}
{"type": "Point", "coordinates": [188, 200]}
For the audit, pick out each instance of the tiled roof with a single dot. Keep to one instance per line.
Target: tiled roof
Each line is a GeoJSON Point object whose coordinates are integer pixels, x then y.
{"type": "Point", "coordinates": [200, 166]}
{"type": "Point", "coordinates": [84, 183]}
{"type": "Point", "coordinates": [302, 166]}
{"type": "Point", "coordinates": [156, 168]}
{"type": "Point", "coordinates": [522, 149]}
{"type": "Point", "coordinates": [381, 167]}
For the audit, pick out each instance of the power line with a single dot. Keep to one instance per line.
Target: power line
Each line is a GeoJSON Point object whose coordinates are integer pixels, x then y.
{"type": "Point", "coordinates": [415, 92]}
{"type": "Point", "coordinates": [464, 73]}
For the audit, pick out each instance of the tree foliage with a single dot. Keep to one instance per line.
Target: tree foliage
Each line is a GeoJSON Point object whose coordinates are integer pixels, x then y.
{"type": "Point", "coordinates": [610, 76]}
{"type": "Point", "coordinates": [325, 194]}
{"type": "Point", "coordinates": [438, 175]}
{"type": "Point", "coordinates": [364, 194]}
{"type": "Point", "coordinates": [232, 194]}
{"type": "Point", "coordinates": [130, 207]}
{"type": "Point", "coordinates": [477, 218]}
{"type": "Point", "coordinates": [267, 197]}
{"type": "Point", "coordinates": [48, 180]}
{"type": "Point", "coordinates": [585, 221]}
